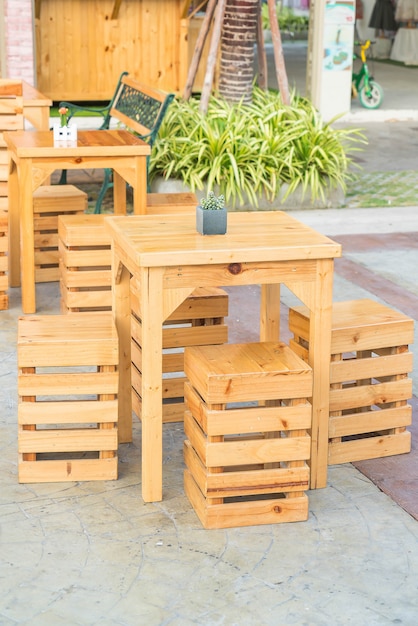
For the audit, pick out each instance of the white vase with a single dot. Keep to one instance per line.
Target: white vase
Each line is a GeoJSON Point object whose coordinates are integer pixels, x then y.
{"type": "Point", "coordinates": [65, 134]}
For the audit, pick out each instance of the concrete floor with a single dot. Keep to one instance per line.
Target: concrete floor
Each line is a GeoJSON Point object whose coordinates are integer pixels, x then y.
{"type": "Point", "coordinates": [94, 553]}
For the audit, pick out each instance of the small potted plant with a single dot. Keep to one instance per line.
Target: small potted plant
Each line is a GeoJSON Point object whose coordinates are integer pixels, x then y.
{"type": "Point", "coordinates": [65, 131]}
{"type": "Point", "coordinates": [211, 215]}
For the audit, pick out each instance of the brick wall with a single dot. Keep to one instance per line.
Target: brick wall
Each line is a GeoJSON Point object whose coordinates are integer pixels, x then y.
{"type": "Point", "coordinates": [20, 57]}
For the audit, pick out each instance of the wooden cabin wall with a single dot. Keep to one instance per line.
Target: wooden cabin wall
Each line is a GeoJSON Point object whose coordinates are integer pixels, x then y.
{"type": "Point", "coordinates": [81, 51]}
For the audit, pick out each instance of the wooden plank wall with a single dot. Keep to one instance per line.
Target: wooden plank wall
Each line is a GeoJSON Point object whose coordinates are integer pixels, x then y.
{"type": "Point", "coordinates": [81, 51]}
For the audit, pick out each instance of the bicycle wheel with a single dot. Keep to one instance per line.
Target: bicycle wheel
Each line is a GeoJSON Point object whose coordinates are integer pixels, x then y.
{"type": "Point", "coordinates": [375, 97]}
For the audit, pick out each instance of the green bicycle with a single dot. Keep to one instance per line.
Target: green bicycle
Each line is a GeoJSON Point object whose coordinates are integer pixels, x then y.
{"type": "Point", "coordinates": [369, 92]}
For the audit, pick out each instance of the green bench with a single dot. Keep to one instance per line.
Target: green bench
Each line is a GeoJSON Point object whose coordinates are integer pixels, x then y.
{"type": "Point", "coordinates": [136, 107]}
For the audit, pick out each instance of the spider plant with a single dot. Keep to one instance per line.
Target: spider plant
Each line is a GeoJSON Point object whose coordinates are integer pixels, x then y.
{"type": "Point", "coordinates": [244, 151]}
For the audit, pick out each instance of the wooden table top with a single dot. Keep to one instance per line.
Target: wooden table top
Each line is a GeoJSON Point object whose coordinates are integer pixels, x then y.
{"type": "Point", "coordinates": [153, 241]}
{"type": "Point", "coordinates": [40, 143]}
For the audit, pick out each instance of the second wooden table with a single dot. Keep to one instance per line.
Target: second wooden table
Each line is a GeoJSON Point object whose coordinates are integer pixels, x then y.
{"type": "Point", "coordinates": [33, 158]}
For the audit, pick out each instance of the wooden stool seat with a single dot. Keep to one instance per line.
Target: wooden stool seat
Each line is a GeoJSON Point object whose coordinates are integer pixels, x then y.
{"type": "Point", "coordinates": [247, 423]}
{"type": "Point", "coordinates": [67, 386]}
{"type": "Point", "coordinates": [369, 383]}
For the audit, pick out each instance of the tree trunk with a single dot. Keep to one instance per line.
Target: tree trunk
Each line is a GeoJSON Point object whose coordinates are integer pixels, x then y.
{"type": "Point", "coordinates": [237, 50]}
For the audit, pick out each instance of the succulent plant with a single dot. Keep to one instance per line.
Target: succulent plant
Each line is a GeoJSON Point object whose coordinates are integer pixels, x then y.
{"type": "Point", "coordinates": [212, 202]}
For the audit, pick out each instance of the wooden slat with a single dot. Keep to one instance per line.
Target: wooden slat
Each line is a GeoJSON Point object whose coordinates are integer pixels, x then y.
{"type": "Point", "coordinates": [369, 421]}
{"type": "Point", "coordinates": [367, 395]}
{"type": "Point", "coordinates": [94, 278]}
{"type": "Point", "coordinates": [93, 257]}
{"type": "Point", "coordinates": [67, 384]}
{"type": "Point", "coordinates": [369, 448]}
{"type": "Point", "coordinates": [374, 367]}
{"type": "Point", "coordinates": [264, 511]}
{"type": "Point", "coordinates": [86, 300]}
{"type": "Point", "coordinates": [67, 440]}
{"type": "Point", "coordinates": [242, 420]}
{"type": "Point", "coordinates": [68, 470]}
{"type": "Point", "coordinates": [242, 452]}
{"type": "Point", "coordinates": [47, 274]}
{"type": "Point", "coordinates": [56, 340]}
{"type": "Point", "coordinates": [67, 412]}
{"type": "Point", "coordinates": [241, 483]}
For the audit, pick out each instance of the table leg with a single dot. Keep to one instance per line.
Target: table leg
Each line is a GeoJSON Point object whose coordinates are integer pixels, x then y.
{"type": "Point", "coordinates": [140, 186]}
{"type": "Point", "coordinates": [119, 194]}
{"type": "Point", "coordinates": [151, 294]}
{"type": "Point", "coordinates": [14, 226]}
{"type": "Point", "coordinates": [27, 243]}
{"type": "Point", "coordinates": [319, 360]}
{"type": "Point", "coordinates": [121, 308]}
{"type": "Point", "coordinates": [270, 312]}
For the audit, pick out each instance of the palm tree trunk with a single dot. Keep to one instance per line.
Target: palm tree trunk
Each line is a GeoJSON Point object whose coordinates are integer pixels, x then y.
{"type": "Point", "coordinates": [237, 50]}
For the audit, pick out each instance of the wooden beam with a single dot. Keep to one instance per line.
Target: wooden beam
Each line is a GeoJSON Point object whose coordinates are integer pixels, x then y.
{"type": "Point", "coordinates": [185, 10]}
{"type": "Point", "coordinates": [197, 54]}
{"type": "Point", "coordinates": [196, 9]}
{"type": "Point", "coordinates": [213, 51]}
{"type": "Point", "coordinates": [115, 12]}
{"type": "Point", "coordinates": [278, 53]}
{"type": "Point", "coordinates": [37, 9]}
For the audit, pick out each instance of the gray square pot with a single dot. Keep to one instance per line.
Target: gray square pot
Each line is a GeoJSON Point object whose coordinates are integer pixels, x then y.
{"type": "Point", "coordinates": [211, 222]}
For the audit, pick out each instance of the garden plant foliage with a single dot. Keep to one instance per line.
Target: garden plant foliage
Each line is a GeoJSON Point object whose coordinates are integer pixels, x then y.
{"type": "Point", "coordinates": [248, 150]}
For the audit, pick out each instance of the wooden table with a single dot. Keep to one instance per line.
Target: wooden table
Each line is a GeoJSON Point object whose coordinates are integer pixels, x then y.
{"type": "Point", "coordinates": [168, 259]}
{"type": "Point", "coordinates": [32, 159]}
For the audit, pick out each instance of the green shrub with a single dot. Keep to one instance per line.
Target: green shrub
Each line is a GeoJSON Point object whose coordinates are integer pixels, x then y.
{"type": "Point", "coordinates": [249, 150]}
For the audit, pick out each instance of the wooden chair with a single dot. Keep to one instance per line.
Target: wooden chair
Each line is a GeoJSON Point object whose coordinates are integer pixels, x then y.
{"type": "Point", "coordinates": [137, 107]}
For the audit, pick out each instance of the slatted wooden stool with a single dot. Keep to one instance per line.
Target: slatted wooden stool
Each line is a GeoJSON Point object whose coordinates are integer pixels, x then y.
{"type": "Point", "coordinates": [247, 423]}
{"type": "Point", "coordinates": [369, 383]}
{"type": "Point", "coordinates": [50, 201]}
{"type": "Point", "coordinates": [85, 257]}
{"type": "Point", "coordinates": [67, 386]}
{"type": "Point", "coordinates": [85, 263]}
{"type": "Point", "coordinates": [4, 246]}
{"type": "Point", "coordinates": [198, 321]}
